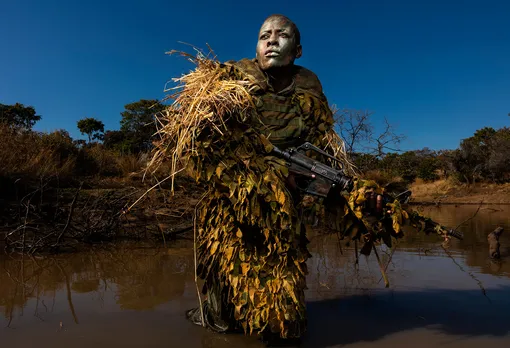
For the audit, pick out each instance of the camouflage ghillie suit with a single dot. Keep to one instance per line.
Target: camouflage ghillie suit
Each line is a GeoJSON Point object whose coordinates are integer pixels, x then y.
{"type": "Point", "coordinates": [251, 243]}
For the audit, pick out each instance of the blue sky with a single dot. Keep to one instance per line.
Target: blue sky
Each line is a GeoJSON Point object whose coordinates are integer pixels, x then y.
{"type": "Point", "coordinates": [438, 70]}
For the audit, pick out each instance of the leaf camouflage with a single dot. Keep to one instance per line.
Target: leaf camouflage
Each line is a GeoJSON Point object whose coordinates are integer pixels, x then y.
{"type": "Point", "coordinates": [250, 230]}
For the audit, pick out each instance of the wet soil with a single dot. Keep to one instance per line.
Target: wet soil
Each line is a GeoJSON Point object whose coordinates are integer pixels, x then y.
{"type": "Point", "coordinates": [135, 295]}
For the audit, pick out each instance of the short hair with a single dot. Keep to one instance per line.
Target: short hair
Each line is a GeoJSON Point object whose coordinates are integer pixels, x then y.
{"type": "Point", "coordinates": [297, 34]}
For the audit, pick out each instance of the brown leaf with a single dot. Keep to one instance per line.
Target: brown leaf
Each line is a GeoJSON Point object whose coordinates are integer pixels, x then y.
{"type": "Point", "coordinates": [229, 252]}
{"type": "Point", "coordinates": [214, 247]}
{"type": "Point", "coordinates": [252, 295]}
{"type": "Point", "coordinates": [219, 170]}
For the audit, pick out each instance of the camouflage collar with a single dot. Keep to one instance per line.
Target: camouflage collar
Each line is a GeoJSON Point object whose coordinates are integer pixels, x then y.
{"type": "Point", "coordinates": [304, 80]}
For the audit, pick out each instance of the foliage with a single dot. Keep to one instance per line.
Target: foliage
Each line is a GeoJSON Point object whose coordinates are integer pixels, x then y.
{"type": "Point", "coordinates": [484, 156]}
{"type": "Point", "coordinates": [92, 127]}
{"type": "Point", "coordinates": [365, 162]}
{"type": "Point", "coordinates": [117, 140]}
{"type": "Point", "coordinates": [18, 116]}
{"type": "Point", "coordinates": [409, 165]}
{"type": "Point", "coordinates": [427, 168]}
{"type": "Point", "coordinates": [137, 126]}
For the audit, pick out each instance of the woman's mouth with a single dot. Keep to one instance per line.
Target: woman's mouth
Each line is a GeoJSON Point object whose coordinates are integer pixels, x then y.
{"type": "Point", "coordinates": [272, 54]}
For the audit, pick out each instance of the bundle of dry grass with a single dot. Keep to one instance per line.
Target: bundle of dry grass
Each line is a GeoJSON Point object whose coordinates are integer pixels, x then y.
{"type": "Point", "coordinates": [203, 101]}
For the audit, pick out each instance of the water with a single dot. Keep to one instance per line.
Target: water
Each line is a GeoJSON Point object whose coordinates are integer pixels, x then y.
{"type": "Point", "coordinates": [132, 296]}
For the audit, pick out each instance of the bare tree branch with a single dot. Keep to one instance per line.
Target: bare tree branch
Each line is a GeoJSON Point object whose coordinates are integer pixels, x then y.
{"type": "Point", "coordinates": [357, 130]}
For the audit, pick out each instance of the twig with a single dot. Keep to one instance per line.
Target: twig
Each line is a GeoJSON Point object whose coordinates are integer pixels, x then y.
{"type": "Point", "coordinates": [25, 227]}
{"type": "Point", "coordinates": [161, 230]}
{"type": "Point", "coordinates": [383, 271]}
{"type": "Point", "coordinates": [149, 190]}
{"type": "Point", "coordinates": [180, 230]}
{"type": "Point", "coordinates": [389, 260]}
{"type": "Point", "coordinates": [68, 288]}
{"type": "Point", "coordinates": [69, 216]}
{"type": "Point", "coordinates": [462, 223]}
{"type": "Point", "coordinates": [469, 273]}
{"type": "Point", "coordinates": [195, 259]}
{"type": "Point", "coordinates": [38, 243]}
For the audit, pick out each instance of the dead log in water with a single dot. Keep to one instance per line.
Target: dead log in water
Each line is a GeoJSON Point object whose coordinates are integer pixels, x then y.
{"type": "Point", "coordinates": [493, 239]}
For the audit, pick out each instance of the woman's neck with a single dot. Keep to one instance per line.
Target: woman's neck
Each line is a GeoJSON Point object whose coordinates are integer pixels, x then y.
{"type": "Point", "coordinates": [280, 78]}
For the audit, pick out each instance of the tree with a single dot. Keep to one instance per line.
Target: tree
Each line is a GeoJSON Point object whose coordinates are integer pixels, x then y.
{"type": "Point", "coordinates": [357, 131]}
{"type": "Point", "coordinates": [60, 143]}
{"type": "Point", "coordinates": [498, 162]}
{"type": "Point", "coordinates": [92, 127]}
{"type": "Point", "coordinates": [138, 124]}
{"type": "Point", "coordinates": [428, 164]}
{"type": "Point", "coordinates": [484, 156]}
{"type": "Point", "coordinates": [116, 140]}
{"type": "Point", "coordinates": [18, 116]}
{"type": "Point", "coordinates": [354, 128]}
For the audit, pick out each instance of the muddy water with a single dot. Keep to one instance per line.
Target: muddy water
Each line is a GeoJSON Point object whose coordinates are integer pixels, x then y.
{"type": "Point", "coordinates": [133, 296]}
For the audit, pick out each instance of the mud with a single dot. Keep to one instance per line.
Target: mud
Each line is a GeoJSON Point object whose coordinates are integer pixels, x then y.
{"type": "Point", "coordinates": [130, 295]}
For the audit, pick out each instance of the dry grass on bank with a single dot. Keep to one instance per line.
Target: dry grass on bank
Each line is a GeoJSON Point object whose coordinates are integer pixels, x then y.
{"type": "Point", "coordinates": [26, 154]}
{"type": "Point", "coordinates": [38, 157]}
{"type": "Point", "coordinates": [450, 191]}
{"type": "Point", "coordinates": [381, 177]}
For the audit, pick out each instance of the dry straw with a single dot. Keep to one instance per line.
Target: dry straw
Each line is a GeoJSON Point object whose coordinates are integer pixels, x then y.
{"type": "Point", "coordinates": [202, 99]}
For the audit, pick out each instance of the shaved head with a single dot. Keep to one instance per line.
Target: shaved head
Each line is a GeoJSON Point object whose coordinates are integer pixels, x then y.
{"type": "Point", "coordinates": [279, 43]}
{"type": "Point", "coordinates": [291, 23]}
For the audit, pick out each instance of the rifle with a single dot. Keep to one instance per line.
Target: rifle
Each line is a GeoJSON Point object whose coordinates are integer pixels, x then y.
{"type": "Point", "coordinates": [318, 179]}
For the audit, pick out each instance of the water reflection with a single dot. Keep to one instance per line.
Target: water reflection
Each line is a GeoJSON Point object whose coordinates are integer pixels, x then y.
{"type": "Point", "coordinates": [475, 247]}
{"type": "Point", "coordinates": [334, 266]}
{"type": "Point", "coordinates": [141, 279]}
{"type": "Point", "coordinates": [114, 287]}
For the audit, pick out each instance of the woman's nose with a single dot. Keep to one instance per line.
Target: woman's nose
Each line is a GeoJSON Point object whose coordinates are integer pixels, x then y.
{"type": "Point", "coordinates": [273, 40]}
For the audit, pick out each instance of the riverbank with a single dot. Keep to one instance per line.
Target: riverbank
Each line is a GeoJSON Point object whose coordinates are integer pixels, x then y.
{"type": "Point", "coordinates": [445, 192]}
{"type": "Point", "coordinates": [52, 219]}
